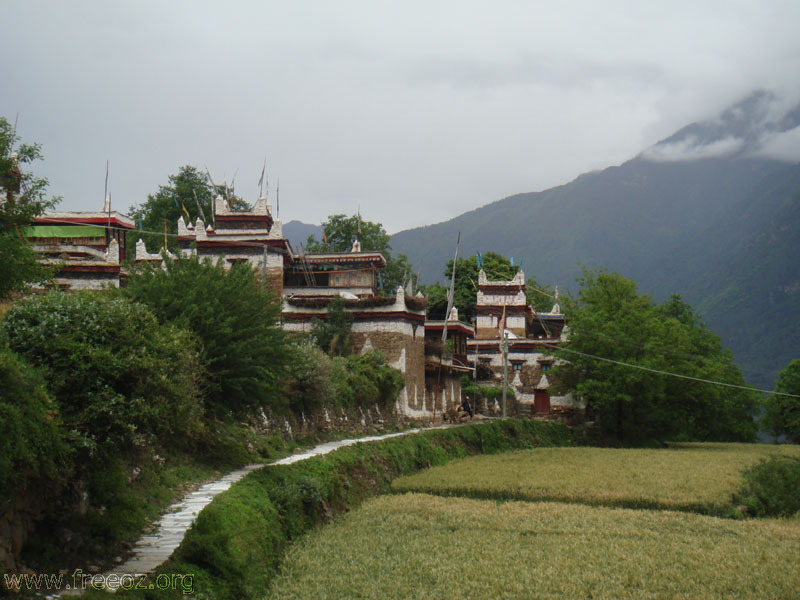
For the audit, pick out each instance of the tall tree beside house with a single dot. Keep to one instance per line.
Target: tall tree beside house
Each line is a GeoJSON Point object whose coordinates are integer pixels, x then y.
{"type": "Point", "coordinates": [497, 267]}
{"type": "Point", "coordinates": [235, 318]}
{"type": "Point", "coordinates": [188, 193]}
{"type": "Point", "coordinates": [629, 400]}
{"type": "Point", "coordinates": [340, 231]}
{"type": "Point", "coordinates": [22, 199]}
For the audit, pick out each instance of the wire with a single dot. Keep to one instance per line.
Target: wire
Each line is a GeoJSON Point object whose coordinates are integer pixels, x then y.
{"type": "Point", "coordinates": [660, 372]}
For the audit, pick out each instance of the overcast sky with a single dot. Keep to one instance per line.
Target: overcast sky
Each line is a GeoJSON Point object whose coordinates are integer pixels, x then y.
{"type": "Point", "coordinates": [416, 111]}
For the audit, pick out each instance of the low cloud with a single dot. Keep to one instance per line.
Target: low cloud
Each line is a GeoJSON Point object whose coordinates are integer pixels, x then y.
{"type": "Point", "coordinates": [784, 145]}
{"type": "Point", "coordinates": [691, 148]}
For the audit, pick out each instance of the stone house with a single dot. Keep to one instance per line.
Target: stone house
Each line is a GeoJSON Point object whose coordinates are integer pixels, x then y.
{"type": "Point", "coordinates": [85, 248]}
{"type": "Point", "coordinates": [504, 318]}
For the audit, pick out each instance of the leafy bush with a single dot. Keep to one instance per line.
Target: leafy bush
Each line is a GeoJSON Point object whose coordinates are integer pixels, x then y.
{"type": "Point", "coordinates": [366, 380]}
{"type": "Point", "coordinates": [31, 443]}
{"type": "Point", "coordinates": [119, 377]}
{"type": "Point", "coordinates": [317, 380]}
{"type": "Point", "coordinates": [310, 384]}
{"type": "Point", "coordinates": [234, 317]}
{"type": "Point", "coordinates": [772, 488]}
{"type": "Point", "coordinates": [333, 334]}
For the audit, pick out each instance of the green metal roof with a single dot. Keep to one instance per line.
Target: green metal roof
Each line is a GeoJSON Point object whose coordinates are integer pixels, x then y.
{"type": "Point", "coordinates": [64, 231]}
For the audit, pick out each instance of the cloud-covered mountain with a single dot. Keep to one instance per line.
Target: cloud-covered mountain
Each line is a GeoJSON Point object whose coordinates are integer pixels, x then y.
{"type": "Point", "coordinates": [712, 213]}
{"type": "Point", "coordinates": [758, 126]}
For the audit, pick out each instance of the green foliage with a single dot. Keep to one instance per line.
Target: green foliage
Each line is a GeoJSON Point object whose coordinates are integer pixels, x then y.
{"type": "Point", "coordinates": [772, 488]}
{"type": "Point", "coordinates": [368, 380]}
{"type": "Point", "coordinates": [333, 334]}
{"type": "Point", "coordinates": [191, 189]}
{"type": "Point", "coordinates": [234, 317]}
{"type": "Point", "coordinates": [120, 378]}
{"type": "Point", "coordinates": [611, 320]}
{"type": "Point", "coordinates": [341, 231]}
{"type": "Point", "coordinates": [465, 291]}
{"type": "Point", "coordinates": [310, 383]}
{"type": "Point", "coordinates": [31, 443]}
{"type": "Point", "coordinates": [317, 380]}
{"type": "Point", "coordinates": [23, 199]}
{"type": "Point", "coordinates": [782, 416]}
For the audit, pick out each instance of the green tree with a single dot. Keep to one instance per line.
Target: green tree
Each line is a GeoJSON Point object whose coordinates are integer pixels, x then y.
{"type": "Point", "coordinates": [235, 318]}
{"type": "Point", "coordinates": [497, 267]}
{"type": "Point", "coordinates": [23, 199]}
{"type": "Point", "coordinates": [333, 334]}
{"type": "Point", "coordinates": [341, 231]}
{"type": "Point", "coordinates": [611, 320]}
{"type": "Point", "coordinates": [32, 445]}
{"type": "Point", "coordinates": [782, 416]}
{"type": "Point", "coordinates": [120, 379]}
{"type": "Point", "coordinates": [189, 188]}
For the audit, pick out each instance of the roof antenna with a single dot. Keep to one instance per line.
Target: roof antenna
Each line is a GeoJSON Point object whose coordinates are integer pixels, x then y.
{"type": "Point", "coordinates": [278, 199]}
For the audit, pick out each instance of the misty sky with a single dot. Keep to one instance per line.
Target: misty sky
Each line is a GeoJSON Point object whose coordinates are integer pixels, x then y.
{"type": "Point", "coordinates": [416, 111]}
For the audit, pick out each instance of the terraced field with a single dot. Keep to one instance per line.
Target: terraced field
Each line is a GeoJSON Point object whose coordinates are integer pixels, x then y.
{"type": "Point", "coordinates": [437, 545]}
{"type": "Point", "coordinates": [693, 477]}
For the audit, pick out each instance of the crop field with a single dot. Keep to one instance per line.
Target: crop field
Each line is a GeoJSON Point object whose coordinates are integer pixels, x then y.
{"type": "Point", "coordinates": [691, 477]}
{"type": "Point", "coordinates": [422, 546]}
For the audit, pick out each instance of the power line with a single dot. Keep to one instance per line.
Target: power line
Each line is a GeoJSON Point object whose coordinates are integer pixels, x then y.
{"type": "Point", "coordinates": [660, 372]}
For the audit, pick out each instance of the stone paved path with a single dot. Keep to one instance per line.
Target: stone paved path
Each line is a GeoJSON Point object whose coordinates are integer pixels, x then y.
{"type": "Point", "coordinates": [153, 549]}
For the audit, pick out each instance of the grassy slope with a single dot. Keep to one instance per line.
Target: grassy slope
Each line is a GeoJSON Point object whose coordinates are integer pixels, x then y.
{"type": "Point", "coordinates": [695, 477]}
{"type": "Point", "coordinates": [417, 546]}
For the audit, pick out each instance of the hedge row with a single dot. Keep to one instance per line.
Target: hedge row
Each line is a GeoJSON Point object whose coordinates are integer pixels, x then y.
{"type": "Point", "coordinates": [236, 546]}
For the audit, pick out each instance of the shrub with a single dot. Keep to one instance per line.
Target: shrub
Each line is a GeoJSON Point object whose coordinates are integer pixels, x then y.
{"type": "Point", "coordinates": [31, 443]}
{"type": "Point", "coordinates": [310, 384]}
{"type": "Point", "coordinates": [333, 334]}
{"type": "Point", "coordinates": [235, 318]}
{"type": "Point", "coordinates": [366, 380]}
{"type": "Point", "coordinates": [772, 488]}
{"type": "Point", "coordinates": [120, 378]}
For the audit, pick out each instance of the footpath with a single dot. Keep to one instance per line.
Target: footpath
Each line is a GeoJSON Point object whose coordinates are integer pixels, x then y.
{"type": "Point", "coordinates": [155, 548]}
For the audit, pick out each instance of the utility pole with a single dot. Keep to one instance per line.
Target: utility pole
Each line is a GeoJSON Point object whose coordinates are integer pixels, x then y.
{"type": "Point", "coordinates": [504, 348]}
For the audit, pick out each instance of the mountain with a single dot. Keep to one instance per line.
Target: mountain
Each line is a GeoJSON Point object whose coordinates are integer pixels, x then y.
{"type": "Point", "coordinates": [297, 233]}
{"type": "Point", "coordinates": [711, 212]}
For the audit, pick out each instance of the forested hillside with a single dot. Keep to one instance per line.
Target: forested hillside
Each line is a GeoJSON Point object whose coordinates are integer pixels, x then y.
{"type": "Point", "coordinates": [710, 213]}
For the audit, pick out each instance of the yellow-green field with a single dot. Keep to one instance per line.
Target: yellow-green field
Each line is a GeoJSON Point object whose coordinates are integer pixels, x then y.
{"type": "Point", "coordinates": [694, 477]}
{"type": "Point", "coordinates": [420, 546]}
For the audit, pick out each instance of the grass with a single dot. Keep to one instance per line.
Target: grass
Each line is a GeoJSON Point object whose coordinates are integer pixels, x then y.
{"type": "Point", "coordinates": [420, 546]}
{"type": "Point", "coordinates": [700, 478]}
{"type": "Point", "coordinates": [236, 546]}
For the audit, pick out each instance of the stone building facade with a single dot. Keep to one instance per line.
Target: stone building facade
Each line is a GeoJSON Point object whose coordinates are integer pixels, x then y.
{"type": "Point", "coordinates": [505, 322]}
{"type": "Point", "coordinates": [86, 248]}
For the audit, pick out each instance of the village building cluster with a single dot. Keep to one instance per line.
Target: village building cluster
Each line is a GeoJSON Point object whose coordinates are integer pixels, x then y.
{"type": "Point", "coordinates": [88, 249]}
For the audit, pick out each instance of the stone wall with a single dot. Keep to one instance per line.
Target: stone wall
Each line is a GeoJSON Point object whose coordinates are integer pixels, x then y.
{"type": "Point", "coordinates": [402, 341]}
